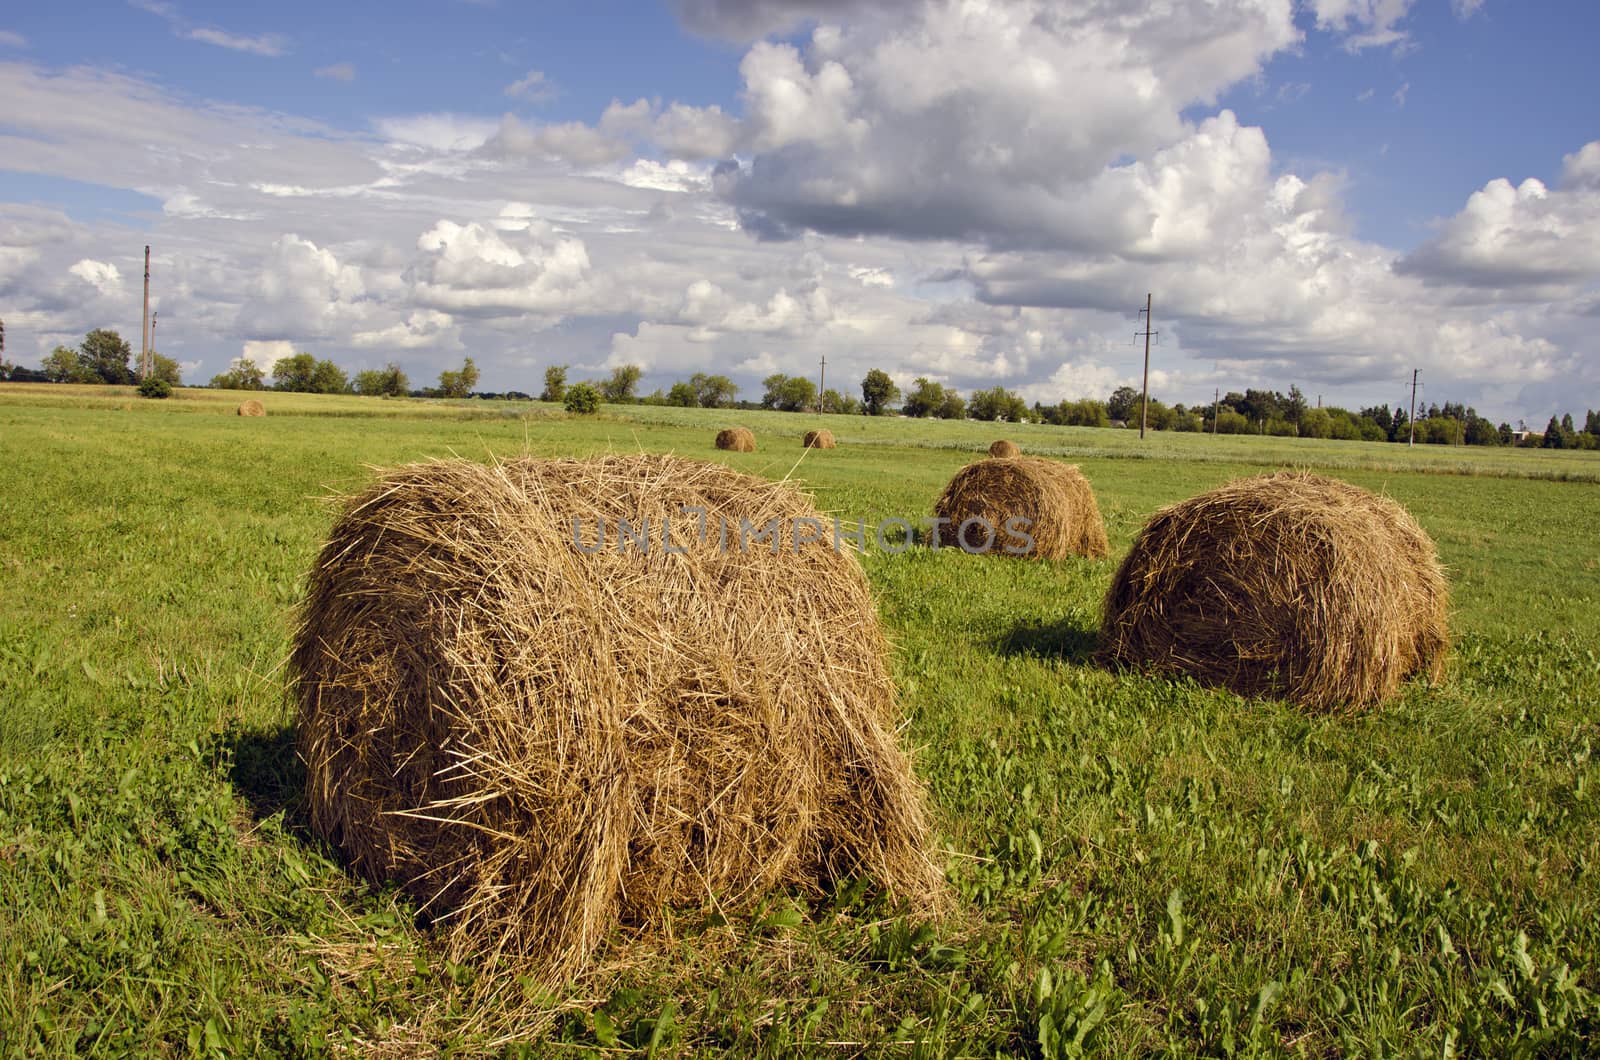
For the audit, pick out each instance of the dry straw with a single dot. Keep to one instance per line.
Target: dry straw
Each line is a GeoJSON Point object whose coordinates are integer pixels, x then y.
{"type": "Point", "coordinates": [738, 439]}
{"type": "Point", "coordinates": [822, 439]}
{"type": "Point", "coordinates": [252, 407]}
{"type": "Point", "coordinates": [1055, 500]}
{"type": "Point", "coordinates": [541, 744]}
{"type": "Point", "coordinates": [1004, 448]}
{"type": "Point", "coordinates": [1289, 584]}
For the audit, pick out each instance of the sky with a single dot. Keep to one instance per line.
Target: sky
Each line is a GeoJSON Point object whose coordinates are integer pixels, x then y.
{"type": "Point", "coordinates": [1322, 193]}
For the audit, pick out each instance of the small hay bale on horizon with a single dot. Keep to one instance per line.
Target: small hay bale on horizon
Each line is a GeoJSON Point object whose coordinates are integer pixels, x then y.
{"type": "Point", "coordinates": [737, 439]}
{"type": "Point", "coordinates": [252, 407]}
{"type": "Point", "coordinates": [1004, 447]}
{"type": "Point", "coordinates": [1290, 585]}
{"type": "Point", "coordinates": [1039, 508]}
{"type": "Point", "coordinates": [513, 728]}
{"type": "Point", "coordinates": [820, 439]}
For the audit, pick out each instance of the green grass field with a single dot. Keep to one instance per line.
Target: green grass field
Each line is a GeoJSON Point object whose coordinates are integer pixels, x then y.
{"type": "Point", "coordinates": [1140, 866]}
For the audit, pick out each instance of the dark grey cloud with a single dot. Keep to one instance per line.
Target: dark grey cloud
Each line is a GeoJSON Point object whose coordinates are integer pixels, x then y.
{"type": "Point", "coordinates": [747, 20]}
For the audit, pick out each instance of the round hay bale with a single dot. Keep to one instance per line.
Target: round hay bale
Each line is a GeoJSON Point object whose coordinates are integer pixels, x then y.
{"type": "Point", "coordinates": [737, 439]}
{"type": "Point", "coordinates": [1289, 585]}
{"type": "Point", "coordinates": [822, 439]}
{"type": "Point", "coordinates": [1034, 507]}
{"type": "Point", "coordinates": [539, 741]}
{"type": "Point", "coordinates": [1004, 448]}
{"type": "Point", "coordinates": [252, 407]}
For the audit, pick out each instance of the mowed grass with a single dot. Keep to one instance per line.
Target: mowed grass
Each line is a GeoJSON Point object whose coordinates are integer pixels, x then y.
{"type": "Point", "coordinates": [1140, 865]}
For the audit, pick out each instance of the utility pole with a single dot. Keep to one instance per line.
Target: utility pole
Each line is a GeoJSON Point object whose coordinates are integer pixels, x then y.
{"type": "Point", "coordinates": [151, 367]}
{"type": "Point", "coordinates": [1413, 442]}
{"type": "Point", "coordinates": [822, 379]}
{"type": "Point", "coordinates": [1144, 407]}
{"type": "Point", "coordinates": [144, 323]}
{"type": "Point", "coordinates": [1216, 407]}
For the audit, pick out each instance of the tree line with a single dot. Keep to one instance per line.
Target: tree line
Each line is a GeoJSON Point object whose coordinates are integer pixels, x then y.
{"type": "Point", "coordinates": [104, 357]}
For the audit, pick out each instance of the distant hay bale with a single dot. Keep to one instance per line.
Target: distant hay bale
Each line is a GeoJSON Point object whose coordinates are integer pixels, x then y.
{"type": "Point", "coordinates": [738, 439]}
{"type": "Point", "coordinates": [1004, 448]}
{"type": "Point", "coordinates": [1020, 498]}
{"type": "Point", "coordinates": [822, 439]}
{"type": "Point", "coordinates": [1289, 585]}
{"type": "Point", "coordinates": [540, 742]}
{"type": "Point", "coordinates": [252, 407]}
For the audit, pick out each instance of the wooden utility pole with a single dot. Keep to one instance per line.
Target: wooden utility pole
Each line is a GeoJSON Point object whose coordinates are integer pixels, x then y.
{"type": "Point", "coordinates": [822, 380]}
{"type": "Point", "coordinates": [1144, 406]}
{"type": "Point", "coordinates": [144, 323]}
{"type": "Point", "coordinates": [1413, 442]}
{"type": "Point", "coordinates": [151, 367]}
{"type": "Point", "coordinates": [1216, 407]}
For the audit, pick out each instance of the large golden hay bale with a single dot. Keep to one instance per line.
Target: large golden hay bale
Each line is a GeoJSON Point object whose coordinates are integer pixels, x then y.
{"type": "Point", "coordinates": [1004, 447]}
{"type": "Point", "coordinates": [252, 407]}
{"type": "Point", "coordinates": [738, 439]}
{"type": "Point", "coordinates": [539, 742]}
{"type": "Point", "coordinates": [1021, 498]}
{"type": "Point", "coordinates": [822, 439]}
{"type": "Point", "coordinates": [1287, 584]}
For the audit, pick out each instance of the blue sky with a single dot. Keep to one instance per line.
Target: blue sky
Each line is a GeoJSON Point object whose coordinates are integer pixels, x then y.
{"type": "Point", "coordinates": [1327, 193]}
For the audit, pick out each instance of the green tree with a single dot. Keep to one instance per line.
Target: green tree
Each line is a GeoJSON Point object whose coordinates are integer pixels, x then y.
{"type": "Point", "coordinates": [1085, 412]}
{"type": "Point", "coordinates": [329, 378]}
{"type": "Point", "coordinates": [582, 399]}
{"type": "Point", "coordinates": [1294, 406]}
{"type": "Point", "coordinates": [789, 393]}
{"type": "Point", "coordinates": [953, 407]}
{"type": "Point", "coordinates": [1316, 423]}
{"type": "Point", "coordinates": [64, 365]}
{"type": "Point", "coordinates": [619, 389]}
{"type": "Point", "coordinates": [243, 374]}
{"type": "Point", "coordinates": [1482, 432]}
{"type": "Point", "coordinates": [459, 382]}
{"type": "Point", "coordinates": [1230, 421]}
{"type": "Point", "coordinates": [683, 395]}
{"type": "Point", "coordinates": [1399, 425]}
{"type": "Point", "coordinates": [834, 402]}
{"type": "Point", "coordinates": [1261, 407]}
{"type": "Point", "coordinates": [772, 388]}
{"type": "Point", "coordinates": [294, 374]}
{"type": "Point", "coordinates": [1124, 404]}
{"type": "Point", "coordinates": [997, 403]}
{"type": "Point", "coordinates": [106, 354]}
{"type": "Point", "coordinates": [1591, 423]}
{"type": "Point", "coordinates": [555, 383]}
{"type": "Point", "coordinates": [388, 381]}
{"type": "Point", "coordinates": [878, 392]}
{"type": "Point", "coordinates": [1160, 417]}
{"type": "Point", "coordinates": [925, 399]}
{"type": "Point", "coordinates": [165, 369]}
{"type": "Point", "coordinates": [1441, 430]}
{"type": "Point", "coordinates": [1553, 438]}
{"type": "Point", "coordinates": [153, 386]}
{"type": "Point", "coordinates": [713, 391]}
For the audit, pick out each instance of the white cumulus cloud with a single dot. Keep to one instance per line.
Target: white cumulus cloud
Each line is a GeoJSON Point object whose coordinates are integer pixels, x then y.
{"type": "Point", "coordinates": [472, 268]}
{"type": "Point", "coordinates": [100, 275]}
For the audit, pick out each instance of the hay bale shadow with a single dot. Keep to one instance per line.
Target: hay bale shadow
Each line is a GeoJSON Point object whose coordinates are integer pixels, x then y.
{"type": "Point", "coordinates": [266, 771]}
{"type": "Point", "coordinates": [1070, 640]}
